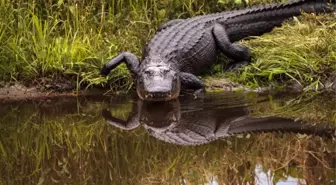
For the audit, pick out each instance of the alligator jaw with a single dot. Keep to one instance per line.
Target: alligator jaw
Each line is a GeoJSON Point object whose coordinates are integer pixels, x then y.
{"type": "Point", "coordinates": [156, 97]}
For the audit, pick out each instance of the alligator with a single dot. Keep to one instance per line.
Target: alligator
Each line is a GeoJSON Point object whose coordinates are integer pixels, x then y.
{"type": "Point", "coordinates": [183, 48]}
{"type": "Point", "coordinates": [196, 122]}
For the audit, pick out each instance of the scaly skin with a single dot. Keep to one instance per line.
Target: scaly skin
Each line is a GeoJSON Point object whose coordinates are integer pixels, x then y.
{"type": "Point", "coordinates": [194, 123]}
{"type": "Point", "coordinates": [182, 49]}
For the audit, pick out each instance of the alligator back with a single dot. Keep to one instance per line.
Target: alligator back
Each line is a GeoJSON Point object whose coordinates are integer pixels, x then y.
{"type": "Point", "coordinates": [189, 46]}
{"type": "Point", "coordinates": [261, 19]}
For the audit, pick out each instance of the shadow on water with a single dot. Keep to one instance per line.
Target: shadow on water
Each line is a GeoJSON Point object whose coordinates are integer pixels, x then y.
{"type": "Point", "coordinates": [69, 141]}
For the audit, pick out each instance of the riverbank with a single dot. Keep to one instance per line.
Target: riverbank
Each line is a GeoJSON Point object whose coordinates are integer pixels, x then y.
{"type": "Point", "coordinates": [47, 89]}
{"type": "Point", "coordinates": [61, 47]}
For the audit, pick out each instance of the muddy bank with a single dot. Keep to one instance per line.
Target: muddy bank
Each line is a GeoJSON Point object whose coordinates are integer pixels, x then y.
{"type": "Point", "coordinates": [46, 88]}
{"type": "Point", "coordinates": [222, 84]}
{"type": "Point", "coordinates": [39, 89]}
{"type": "Point", "coordinates": [19, 91]}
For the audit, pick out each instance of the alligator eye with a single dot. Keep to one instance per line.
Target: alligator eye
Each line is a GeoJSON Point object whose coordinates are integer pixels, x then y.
{"type": "Point", "coordinates": [149, 73]}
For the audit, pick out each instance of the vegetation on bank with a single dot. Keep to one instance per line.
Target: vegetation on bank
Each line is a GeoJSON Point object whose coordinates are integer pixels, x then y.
{"type": "Point", "coordinates": [303, 50]}
{"type": "Point", "coordinates": [72, 39]}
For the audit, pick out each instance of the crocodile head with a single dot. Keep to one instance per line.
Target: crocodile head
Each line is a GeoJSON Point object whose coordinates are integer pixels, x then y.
{"type": "Point", "coordinates": [158, 81]}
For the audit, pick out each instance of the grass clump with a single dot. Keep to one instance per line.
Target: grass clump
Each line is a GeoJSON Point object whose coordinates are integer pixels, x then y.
{"type": "Point", "coordinates": [61, 40]}
{"type": "Point", "coordinates": [303, 50]}
{"type": "Point", "coordinates": [71, 40]}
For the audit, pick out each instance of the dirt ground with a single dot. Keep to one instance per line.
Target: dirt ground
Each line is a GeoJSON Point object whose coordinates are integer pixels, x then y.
{"type": "Point", "coordinates": [38, 89]}
{"type": "Point", "coordinates": [46, 88]}
{"type": "Point", "coordinates": [18, 91]}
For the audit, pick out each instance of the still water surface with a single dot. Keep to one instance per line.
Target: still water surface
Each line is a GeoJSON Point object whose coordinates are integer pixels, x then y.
{"type": "Point", "coordinates": [215, 139]}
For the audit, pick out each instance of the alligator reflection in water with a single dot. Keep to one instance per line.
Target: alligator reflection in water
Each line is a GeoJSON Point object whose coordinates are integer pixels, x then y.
{"type": "Point", "coordinates": [67, 141]}
{"type": "Point", "coordinates": [195, 123]}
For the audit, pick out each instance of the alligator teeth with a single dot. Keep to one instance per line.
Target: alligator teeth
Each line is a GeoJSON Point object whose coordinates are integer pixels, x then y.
{"type": "Point", "coordinates": [174, 117]}
{"type": "Point", "coordinates": [148, 96]}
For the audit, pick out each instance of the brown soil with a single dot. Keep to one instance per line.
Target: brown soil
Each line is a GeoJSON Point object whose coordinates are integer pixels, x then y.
{"type": "Point", "coordinates": [47, 88]}
{"type": "Point", "coordinates": [39, 89]}
{"type": "Point", "coordinates": [18, 91]}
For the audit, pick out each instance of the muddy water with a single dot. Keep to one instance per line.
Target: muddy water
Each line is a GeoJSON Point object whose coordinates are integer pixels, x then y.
{"type": "Point", "coordinates": [220, 138]}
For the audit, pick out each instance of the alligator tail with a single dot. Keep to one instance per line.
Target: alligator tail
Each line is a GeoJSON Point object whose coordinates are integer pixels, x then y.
{"type": "Point", "coordinates": [260, 19]}
{"type": "Point", "coordinates": [282, 125]}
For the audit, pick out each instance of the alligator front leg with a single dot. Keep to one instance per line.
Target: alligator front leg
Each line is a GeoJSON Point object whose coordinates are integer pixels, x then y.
{"type": "Point", "coordinates": [239, 53]}
{"type": "Point", "coordinates": [131, 60]}
{"type": "Point", "coordinates": [131, 123]}
{"type": "Point", "coordinates": [191, 82]}
{"type": "Point", "coordinates": [169, 24]}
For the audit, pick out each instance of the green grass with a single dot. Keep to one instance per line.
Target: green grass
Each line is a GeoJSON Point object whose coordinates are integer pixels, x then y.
{"type": "Point", "coordinates": [303, 50]}
{"type": "Point", "coordinates": [72, 40]}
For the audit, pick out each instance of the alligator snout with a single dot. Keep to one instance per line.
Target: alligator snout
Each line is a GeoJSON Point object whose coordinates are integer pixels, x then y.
{"type": "Point", "coordinates": [162, 90]}
{"type": "Point", "coordinates": [159, 92]}
{"type": "Point", "coordinates": [158, 83]}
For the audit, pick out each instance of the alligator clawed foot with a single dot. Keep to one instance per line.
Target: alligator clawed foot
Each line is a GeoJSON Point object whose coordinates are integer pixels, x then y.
{"type": "Point", "coordinates": [244, 51]}
{"type": "Point", "coordinates": [105, 113]}
{"type": "Point", "coordinates": [198, 93]}
{"type": "Point", "coordinates": [104, 71]}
